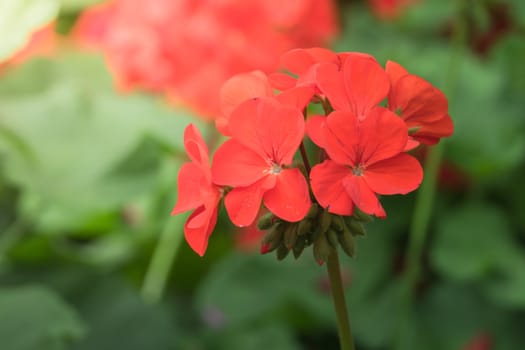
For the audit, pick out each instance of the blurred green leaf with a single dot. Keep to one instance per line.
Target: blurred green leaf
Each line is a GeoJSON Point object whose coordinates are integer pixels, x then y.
{"type": "Point", "coordinates": [88, 141]}
{"type": "Point", "coordinates": [19, 19]}
{"type": "Point", "coordinates": [473, 242]}
{"type": "Point", "coordinates": [35, 318]}
{"type": "Point", "coordinates": [246, 288]}
{"type": "Point", "coordinates": [262, 337]}
{"type": "Point", "coordinates": [119, 319]}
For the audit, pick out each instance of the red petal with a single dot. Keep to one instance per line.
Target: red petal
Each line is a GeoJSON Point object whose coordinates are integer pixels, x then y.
{"type": "Point", "coordinates": [290, 198]}
{"type": "Point", "coordinates": [363, 197]}
{"type": "Point", "coordinates": [411, 144]}
{"type": "Point", "coordinates": [243, 203]}
{"type": "Point", "coordinates": [272, 129]}
{"type": "Point", "coordinates": [238, 89]}
{"type": "Point", "coordinates": [190, 181]}
{"type": "Point", "coordinates": [282, 81]}
{"type": "Point", "coordinates": [197, 236]}
{"type": "Point", "coordinates": [297, 61]}
{"type": "Point", "coordinates": [395, 72]}
{"type": "Point", "coordinates": [418, 100]}
{"type": "Point", "coordinates": [366, 83]}
{"type": "Point", "coordinates": [430, 133]}
{"type": "Point", "coordinates": [398, 175]}
{"type": "Point", "coordinates": [382, 134]}
{"type": "Point", "coordinates": [341, 137]}
{"type": "Point", "coordinates": [330, 81]}
{"type": "Point", "coordinates": [297, 97]}
{"type": "Point", "coordinates": [236, 165]}
{"type": "Point", "coordinates": [314, 129]}
{"type": "Point", "coordinates": [327, 186]}
{"type": "Point", "coordinates": [196, 147]}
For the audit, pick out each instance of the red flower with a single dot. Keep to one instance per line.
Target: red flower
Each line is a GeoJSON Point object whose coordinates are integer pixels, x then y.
{"type": "Point", "coordinates": [242, 87]}
{"type": "Point", "coordinates": [365, 159]}
{"type": "Point", "coordinates": [389, 9]}
{"type": "Point", "coordinates": [188, 49]}
{"type": "Point", "coordinates": [303, 63]}
{"type": "Point", "coordinates": [423, 107]}
{"type": "Point", "coordinates": [256, 162]}
{"type": "Point", "coordinates": [359, 85]}
{"type": "Point", "coordinates": [196, 191]}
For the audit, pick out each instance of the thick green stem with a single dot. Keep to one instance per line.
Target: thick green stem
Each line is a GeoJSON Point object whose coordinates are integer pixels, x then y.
{"type": "Point", "coordinates": [338, 295]}
{"type": "Point", "coordinates": [160, 265]}
{"type": "Point", "coordinates": [426, 194]}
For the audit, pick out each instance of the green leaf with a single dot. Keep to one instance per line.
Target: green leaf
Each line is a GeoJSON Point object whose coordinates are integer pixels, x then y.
{"type": "Point", "coordinates": [473, 242]}
{"type": "Point", "coordinates": [19, 19]}
{"type": "Point", "coordinates": [94, 149]}
{"type": "Point", "coordinates": [119, 319]}
{"type": "Point", "coordinates": [247, 288]}
{"type": "Point", "coordinates": [35, 318]}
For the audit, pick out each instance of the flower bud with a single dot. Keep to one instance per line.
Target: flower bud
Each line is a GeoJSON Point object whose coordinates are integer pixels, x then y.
{"type": "Point", "coordinates": [304, 227]}
{"type": "Point", "coordinates": [272, 239]}
{"type": "Point", "coordinates": [363, 217]}
{"type": "Point", "coordinates": [324, 221]}
{"type": "Point", "coordinates": [282, 252]}
{"type": "Point", "coordinates": [266, 221]}
{"type": "Point", "coordinates": [337, 223]}
{"type": "Point", "coordinates": [299, 246]}
{"type": "Point", "coordinates": [355, 226]}
{"type": "Point", "coordinates": [312, 213]}
{"type": "Point", "coordinates": [331, 236]}
{"type": "Point", "coordinates": [322, 249]}
{"type": "Point", "coordinates": [347, 243]}
{"type": "Point", "coordinates": [290, 235]}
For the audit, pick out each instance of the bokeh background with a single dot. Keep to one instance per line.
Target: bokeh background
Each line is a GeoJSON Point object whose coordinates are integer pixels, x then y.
{"type": "Point", "coordinates": [94, 99]}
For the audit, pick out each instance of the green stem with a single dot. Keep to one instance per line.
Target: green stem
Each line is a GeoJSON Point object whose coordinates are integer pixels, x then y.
{"type": "Point", "coordinates": [336, 286]}
{"type": "Point", "coordinates": [426, 194]}
{"type": "Point", "coordinates": [160, 265]}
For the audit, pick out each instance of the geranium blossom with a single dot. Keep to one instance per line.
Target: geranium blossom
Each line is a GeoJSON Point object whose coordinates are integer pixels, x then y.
{"type": "Point", "coordinates": [245, 86]}
{"type": "Point", "coordinates": [257, 161]}
{"type": "Point", "coordinates": [422, 106]}
{"type": "Point", "coordinates": [365, 159]}
{"type": "Point", "coordinates": [187, 49]}
{"type": "Point", "coordinates": [196, 191]}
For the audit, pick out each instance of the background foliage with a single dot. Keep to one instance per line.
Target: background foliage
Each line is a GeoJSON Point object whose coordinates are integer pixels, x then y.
{"type": "Point", "coordinates": [88, 179]}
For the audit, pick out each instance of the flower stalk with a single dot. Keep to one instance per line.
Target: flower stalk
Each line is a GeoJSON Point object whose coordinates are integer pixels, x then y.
{"type": "Point", "coordinates": [336, 286]}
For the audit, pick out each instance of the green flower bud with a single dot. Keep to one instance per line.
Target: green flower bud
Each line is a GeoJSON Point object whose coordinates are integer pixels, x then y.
{"type": "Point", "coordinates": [266, 221]}
{"type": "Point", "coordinates": [304, 227]}
{"type": "Point", "coordinates": [322, 249]}
{"type": "Point", "coordinates": [290, 235]}
{"type": "Point", "coordinates": [272, 239]}
{"type": "Point", "coordinates": [359, 215]}
{"type": "Point", "coordinates": [282, 252]}
{"type": "Point", "coordinates": [347, 243]}
{"type": "Point", "coordinates": [337, 223]}
{"type": "Point", "coordinates": [299, 246]}
{"type": "Point", "coordinates": [331, 236]}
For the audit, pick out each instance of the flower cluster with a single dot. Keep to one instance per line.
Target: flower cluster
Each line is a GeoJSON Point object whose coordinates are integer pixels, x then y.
{"type": "Point", "coordinates": [372, 118]}
{"type": "Point", "coordinates": [186, 49]}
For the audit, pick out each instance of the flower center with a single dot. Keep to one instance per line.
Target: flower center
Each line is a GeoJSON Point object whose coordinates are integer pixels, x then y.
{"type": "Point", "coordinates": [275, 169]}
{"type": "Point", "coordinates": [358, 170]}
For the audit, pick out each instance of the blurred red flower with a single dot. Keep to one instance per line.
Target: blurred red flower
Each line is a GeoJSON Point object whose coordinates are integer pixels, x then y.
{"type": "Point", "coordinates": [41, 43]}
{"type": "Point", "coordinates": [187, 49]}
{"type": "Point", "coordinates": [389, 9]}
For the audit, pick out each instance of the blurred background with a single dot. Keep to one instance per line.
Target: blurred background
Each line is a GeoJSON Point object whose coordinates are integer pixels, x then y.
{"type": "Point", "coordinates": [94, 98]}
